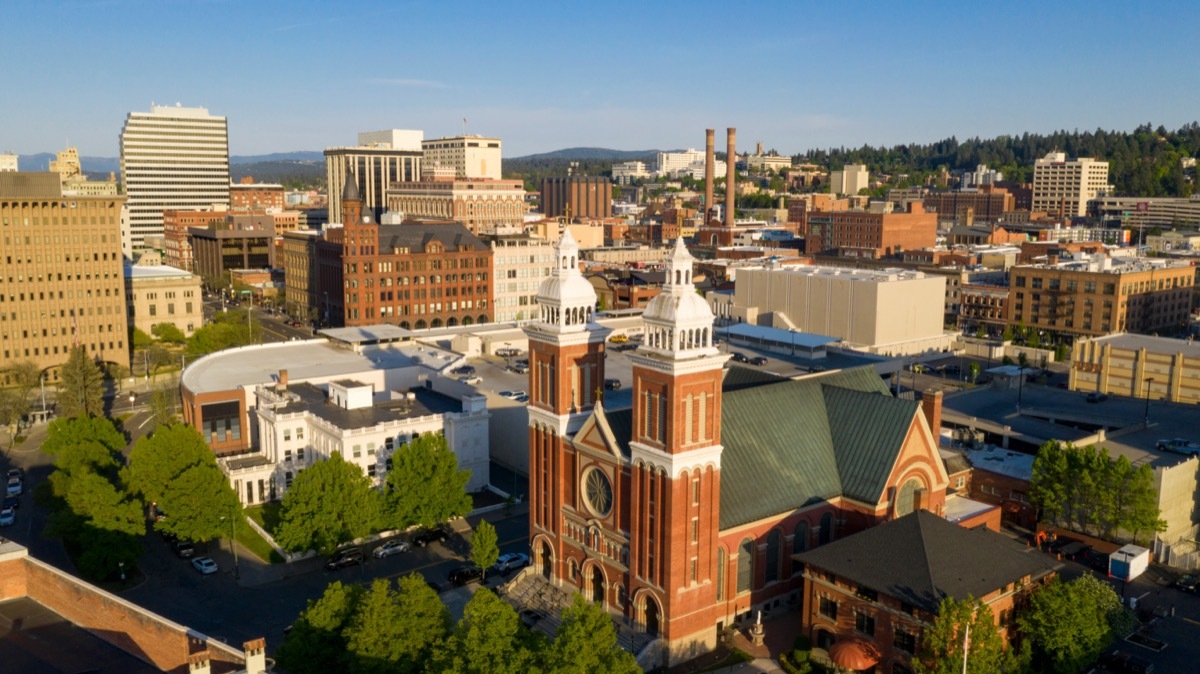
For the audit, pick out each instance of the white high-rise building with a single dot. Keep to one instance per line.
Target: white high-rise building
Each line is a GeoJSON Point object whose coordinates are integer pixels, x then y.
{"type": "Point", "coordinates": [172, 159]}
{"type": "Point", "coordinates": [850, 180]}
{"type": "Point", "coordinates": [1063, 188]}
{"type": "Point", "coordinates": [670, 163]}
{"type": "Point", "coordinates": [470, 156]}
{"type": "Point", "coordinates": [8, 162]}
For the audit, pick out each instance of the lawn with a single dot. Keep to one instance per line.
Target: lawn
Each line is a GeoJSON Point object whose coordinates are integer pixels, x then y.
{"type": "Point", "coordinates": [266, 515]}
{"type": "Point", "coordinates": [250, 539]}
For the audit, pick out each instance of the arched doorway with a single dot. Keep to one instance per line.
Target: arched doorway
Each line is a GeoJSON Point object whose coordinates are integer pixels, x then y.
{"type": "Point", "coordinates": [825, 639]}
{"type": "Point", "coordinates": [594, 585]}
{"type": "Point", "coordinates": [482, 319]}
{"type": "Point", "coordinates": [421, 324]}
{"type": "Point", "coordinates": [545, 560]}
{"type": "Point", "coordinates": [451, 322]}
{"type": "Point", "coordinates": [651, 616]}
{"type": "Point", "coordinates": [435, 323]}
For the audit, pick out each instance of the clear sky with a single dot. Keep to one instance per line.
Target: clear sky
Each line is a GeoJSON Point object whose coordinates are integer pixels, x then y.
{"type": "Point", "coordinates": [300, 75]}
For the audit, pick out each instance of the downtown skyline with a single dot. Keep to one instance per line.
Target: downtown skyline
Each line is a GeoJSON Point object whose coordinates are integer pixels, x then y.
{"type": "Point", "coordinates": [308, 75]}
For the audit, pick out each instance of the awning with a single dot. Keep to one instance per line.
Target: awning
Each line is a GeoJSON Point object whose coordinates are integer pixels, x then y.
{"type": "Point", "coordinates": [853, 654]}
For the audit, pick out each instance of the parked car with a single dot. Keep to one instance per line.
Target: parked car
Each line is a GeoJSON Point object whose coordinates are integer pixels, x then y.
{"type": "Point", "coordinates": [1126, 663]}
{"type": "Point", "coordinates": [427, 536]}
{"type": "Point", "coordinates": [520, 369]}
{"type": "Point", "coordinates": [17, 473]}
{"type": "Point", "coordinates": [465, 574]}
{"type": "Point", "coordinates": [204, 565]}
{"type": "Point", "coordinates": [739, 357]}
{"type": "Point", "coordinates": [471, 380]}
{"type": "Point", "coordinates": [11, 502]}
{"type": "Point", "coordinates": [530, 617]}
{"type": "Point", "coordinates": [618, 339]}
{"type": "Point", "coordinates": [8, 517]}
{"type": "Point", "coordinates": [390, 548]}
{"type": "Point", "coordinates": [511, 561]}
{"type": "Point", "coordinates": [184, 549]}
{"type": "Point", "coordinates": [523, 398]}
{"type": "Point", "coordinates": [1179, 446]}
{"type": "Point", "coordinates": [512, 395]}
{"type": "Point", "coordinates": [612, 384]}
{"type": "Point", "coordinates": [15, 487]}
{"type": "Point", "coordinates": [508, 353]}
{"type": "Point", "coordinates": [344, 558]}
{"type": "Point", "coordinates": [1096, 397]}
{"type": "Point", "coordinates": [758, 360]}
{"type": "Point", "coordinates": [1188, 583]}
{"type": "Point", "coordinates": [464, 369]}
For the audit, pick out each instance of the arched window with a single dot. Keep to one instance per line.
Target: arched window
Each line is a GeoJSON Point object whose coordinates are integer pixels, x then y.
{"type": "Point", "coordinates": [799, 543]}
{"type": "Point", "coordinates": [745, 565]}
{"type": "Point", "coordinates": [906, 500]}
{"type": "Point", "coordinates": [774, 543]}
{"type": "Point", "coordinates": [721, 562]}
{"type": "Point", "coordinates": [826, 534]}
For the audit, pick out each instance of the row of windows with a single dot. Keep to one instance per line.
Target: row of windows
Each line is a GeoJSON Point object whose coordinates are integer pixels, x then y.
{"type": "Point", "coordinates": [65, 349]}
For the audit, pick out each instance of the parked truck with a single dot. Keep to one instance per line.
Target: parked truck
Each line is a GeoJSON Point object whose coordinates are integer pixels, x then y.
{"type": "Point", "coordinates": [1129, 562]}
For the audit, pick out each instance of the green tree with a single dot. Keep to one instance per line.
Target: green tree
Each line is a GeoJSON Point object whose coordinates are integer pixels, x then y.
{"type": "Point", "coordinates": [396, 631]}
{"type": "Point", "coordinates": [315, 645]}
{"type": "Point", "coordinates": [1140, 512]}
{"type": "Point", "coordinates": [587, 642]}
{"type": "Point", "coordinates": [484, 550]}
{"type": "Point", "coordinates": [155, 357]}
{"type": "Point", "coordinates": [973, 369]}
{"type": "Point", "coordinates": [162, 406]}
{"type": "Point", "coordinates": [942, 643]}
{"type": "Point", "coordinates": [1007, 334]}
{"type": "Point", "coordinates": [225, 331]}
{"type": "Point", "coordinates": [1070, 624]}
{"type": "Point", "coordinates": [489, 640]}
{"type": "Point", "coordinates": [175, 469]}
{"type": "Point", "coordinates": [329, 503]}
{"type": "Point", "coordinates": [25, 377]}
{"type": "Point", "coordinates": [81, 392]}
{"type": "Point", "coordinates": [425, 485]}
{"type": "Point", "coordinates": [168, 332]}
{"type": "Point", "coordinates": [140, 339]}
{"type": "Point", "coordinates": [80, 444]}
{"type": "Point", "coordinates": [11, 411]}
{"type": "Point", "coordinates": [1048, 487]}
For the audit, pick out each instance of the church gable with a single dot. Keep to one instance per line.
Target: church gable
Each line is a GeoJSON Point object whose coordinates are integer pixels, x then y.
{"type": "Point", "coordinates": [918, 459]}
{"type": "Point", "coordinates": [868, 432]}
{"type": "Point", "coordinates": [597, 434]}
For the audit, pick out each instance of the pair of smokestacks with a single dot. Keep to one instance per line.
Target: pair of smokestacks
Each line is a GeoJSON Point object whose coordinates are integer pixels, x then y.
{"type": "Point", "coordinates": [730, 175]}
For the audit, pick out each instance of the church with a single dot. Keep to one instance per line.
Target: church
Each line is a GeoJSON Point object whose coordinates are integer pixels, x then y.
{"type": "Point", "coordinates": [683, 512]}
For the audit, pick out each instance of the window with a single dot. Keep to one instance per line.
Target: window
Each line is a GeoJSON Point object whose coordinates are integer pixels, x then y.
{"type": "Point", "coordinates": [721, 574]}
{"type": "Point", "coordinates": [828, 608]}
{"type": "Point", "coordinates": [357, 451]}
{"type": "Point", "coordinates": [300, 433]}
{"type": "Point", "coordinates": [745, 565]}
{"type": "Point", "coordinates": [959, 482]}
{"type": "Point", "coordinates": [864, 623]}
{"type": "Point", "coordinates": [300, 454]}
{"type": "Point", "coordinates": [799, 544]}
{"type": "Point", "coordinates": [695, 530]}
{"type": "Point", "coordinates": [906, 642]}
{"type": "Point", "coordinates": [287, 435]}
{"type": "Point", "coordinates": [774, 543]}
{"type": "Point", "coordinates": [695, 491]}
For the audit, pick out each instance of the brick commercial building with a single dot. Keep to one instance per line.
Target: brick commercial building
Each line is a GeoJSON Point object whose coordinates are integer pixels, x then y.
{"type": "Point", "coordinates": [1100, 296]}
{"type": "Point", "coordinates": [62, 278]}
{"type": "Point", "coordinates": [178, 247]}
{"type": "Point", "coordinates": [869, 235]}
{"type": "Point", "coordinates": [869, 597]}
{"type": "Point", "coordinates": [986, 204]}
{"type": "Point", "coordinates": [480, 204]}
{"type": "Point", "coordinates": [251, 196]}
{"type": "Point", "coordinates": [415, 275]}
{"type": "Point", "coordinates": [682, 512]}
{"type": "Point", "coordinates": [577, 197]}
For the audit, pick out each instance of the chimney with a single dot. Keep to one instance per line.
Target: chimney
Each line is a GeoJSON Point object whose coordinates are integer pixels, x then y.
{"type": "Point", "coordinates": [199, 663]}
{"type": "Point", "coordinates": [931, 407]}
{"type": "Point", "coordinates": [256, 656]}
{"type": "Point", "coordinates": [709, 161]}
{"type": "Point", "coordinates": [282, 381]}
{"type": "Point", "coordinates": [730, 176]}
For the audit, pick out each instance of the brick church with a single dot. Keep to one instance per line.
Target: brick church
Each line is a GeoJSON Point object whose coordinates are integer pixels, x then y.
{"type": "Point", "coordinates": [683, 512]}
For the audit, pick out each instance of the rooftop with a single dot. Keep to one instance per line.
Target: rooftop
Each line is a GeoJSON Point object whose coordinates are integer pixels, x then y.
{"type": "Point", "coordinates": [1001, 461]}
{"type": "Point", "coordinates": [314, 400]}
{"type": "Point", "coordinates": [34, 638]}
{"type": "Point", "coordinates": [138, 272]}
{"type": "Point", "coordinates": [1187, 347]}
{"type": "Point", "coordinates": [922, 558]}
{"type": "Point", "coordinates": [861, 275]}
{"type": "Point", "coordinates": [959, 508]}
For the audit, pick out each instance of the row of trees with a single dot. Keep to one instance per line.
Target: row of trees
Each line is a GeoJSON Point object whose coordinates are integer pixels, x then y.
{"type": "Point", "coordinates": [226, 330]}
{"type": "Point", "coordinates": [1065, 627]}
{"type": "Point", "coordinates": [1082, 488]}
{"type": "Point", "coordinates": [332, 502]}
{"type": "Point", "coordinates": [406, 629]}
{"type": "Point", "coordinates": [99, 501]}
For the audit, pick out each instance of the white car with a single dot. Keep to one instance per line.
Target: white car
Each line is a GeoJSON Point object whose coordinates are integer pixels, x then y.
{"type": "Point", "coordinates": [471, 380]}
{"type": "Point", "coordinates": [512, 560]}
{"type": "Point", "coordinates": [513, 395]}
{"type": "Point", "coordinates": [15, 487]}
{"type": "Point", "coordinates": [8, 517]}
{"type": "Point", "coordinates": [204, 565]}
{"type": "Point", "coordinates": [391, 548]}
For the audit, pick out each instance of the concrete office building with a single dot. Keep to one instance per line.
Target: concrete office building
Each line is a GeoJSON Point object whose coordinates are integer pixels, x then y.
{"type": "Point", "coordinates": [247, 243]}
{"type": "Point", "coordinates": [1138, 366]}
{"type": "Point", "coordinates": [1097, 296]}
{"type": "Point", "coordinates": [62, 281]}
{"type": "Point", "coordinates": [883, 311]}
{"type": "Point", "coordinates": [469, 156]}
{"type": "Point", "coordinates": [177, 245]}
{"type": "Point", "coordinates": [8, 162]}
{"type": "Point", "coordinates": [672, 162]}
{"type": "Point", "coordinates": [172, 159]}
{"type": "Point", "coordinates": [850, 180]}
{"type": "Point", "coordinates": [1147, 212]}
{"type": "Point", "coordinates": [380, 159]}
{"type": "Point", "coordinates": [1174, 242]}
{"type": "Point", "coordinates": [520, 263]}
{"type": "Point", "coordinates": [761, 163]}
{"type": "Point", "coordinates": [481, 204]}
{"type": "Point", "coordinates": [577, 197]}
{"type": "Point", "coordinates": [1063, 188]}
{"type": "Point", "coordinates": [626, 172]}
{"type": "Point", "coordinates": [156, 293]}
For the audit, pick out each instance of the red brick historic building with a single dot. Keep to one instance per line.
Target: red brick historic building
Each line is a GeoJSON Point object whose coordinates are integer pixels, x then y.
{"type": "Point", "coordinates": [683, 510]}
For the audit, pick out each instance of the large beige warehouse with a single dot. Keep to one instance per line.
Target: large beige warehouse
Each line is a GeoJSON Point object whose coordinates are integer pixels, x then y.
{"type": "Point", "coordinates": [891, 311]}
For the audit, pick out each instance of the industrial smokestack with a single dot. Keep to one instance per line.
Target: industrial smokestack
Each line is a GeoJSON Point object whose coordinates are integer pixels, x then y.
{"type": "Point", "coordinates": [730, 175]}
{"type": "Point", "coordinates": [709, 161]}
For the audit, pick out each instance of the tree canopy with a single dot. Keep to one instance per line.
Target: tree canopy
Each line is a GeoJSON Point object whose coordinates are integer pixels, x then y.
{"type": "Point", "coordinates": [168, 332]}
{"type": "Point", "coordinates": [1071, 623]}
{"type": "Point", "coordinates": [174, 468]}
{"type": "Point", "coordinates": [484, 551]}
{"type": "Point", "coordinates": [81, 391]}
{"type": "Point", "coordinates": [424, 485]}
{"type": "Point", "coordinates": [329, 503]}
{"type": "Point", "coordinates": [587, 642]}
{"type": "Point", "coordinates": [315, 644]}
{"type": "Point", "coordinates": [226, 330]}
{"type": "Point", "coordinates": [942, 643]}
{"type": "Point", "coordinates": [490, 639]}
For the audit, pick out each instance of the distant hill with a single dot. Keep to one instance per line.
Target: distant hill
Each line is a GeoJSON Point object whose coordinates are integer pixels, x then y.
{"type": "Point", "coordinates": [592, 153]}
{"type": "Point", "coordinates": [299, 155]}
{"type": "Point", "coordinates": [41, 161]}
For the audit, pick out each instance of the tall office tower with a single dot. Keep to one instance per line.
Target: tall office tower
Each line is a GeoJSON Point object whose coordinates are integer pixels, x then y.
{"type": "Point", "coordinates": [8, 162]}
{"type": "Point", "coordinates": [172, 159]}
{"type": "Point", "coordinates": [64, 278]}
{"type": "Point", "coordinates": [469, 156]}
{"type": "Point", "coordinates": [1063, 188]}
{"type": "Point", "coordinates": [380, 159]}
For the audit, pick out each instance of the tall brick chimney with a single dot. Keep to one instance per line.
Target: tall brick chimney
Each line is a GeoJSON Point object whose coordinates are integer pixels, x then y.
{"type": "Point", "coordinates": [730, 175]}
{"type": "Point", "coordinates": [283, 380]}
{"type": "Point", "coordinates": [199, 663]}
{"type": "Point", "coordinates": [931, 407]}
{"type": "Point", "coordinates": [709, 162]}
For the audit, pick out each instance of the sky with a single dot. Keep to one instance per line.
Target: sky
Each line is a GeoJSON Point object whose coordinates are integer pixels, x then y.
{"type": "Point", "coordinates": [299, 75]}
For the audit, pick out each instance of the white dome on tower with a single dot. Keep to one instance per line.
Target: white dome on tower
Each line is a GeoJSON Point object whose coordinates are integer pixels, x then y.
{"type": "Point", "coordinates": [566, 300]}
{"type": "Point", "coordinates": [678, 320]}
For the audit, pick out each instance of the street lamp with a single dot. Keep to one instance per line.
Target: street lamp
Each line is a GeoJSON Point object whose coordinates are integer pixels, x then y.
{"type": "Point", "coordinates": [121, 565]}
{"type": "Point", "coordinates": [132, 397]}
{"type": "Point", "coordinates": [1149, 381]}
{"type": "Point", "coordinates": [232, 542]}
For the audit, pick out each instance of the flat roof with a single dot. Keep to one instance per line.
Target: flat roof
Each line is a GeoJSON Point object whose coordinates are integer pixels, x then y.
{"type": "Point", "coordinates": [136, 272]}
{"type": "Point", "coordinates": [1125, 340]}
{"type": "Point", "coordinates": [1001, 461]}
{"type": "Point", "coordinates": [864, 275]}
{"type": "Point", "coordinates": [809, 340]}
{"type": "Point", "coordinates": [313, 399]}
{"type": "Point", "coordinates": [959, 508]}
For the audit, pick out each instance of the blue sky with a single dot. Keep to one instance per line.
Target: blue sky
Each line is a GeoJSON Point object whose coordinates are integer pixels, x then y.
{"type": "Point", "coordinates": [297, 75]}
